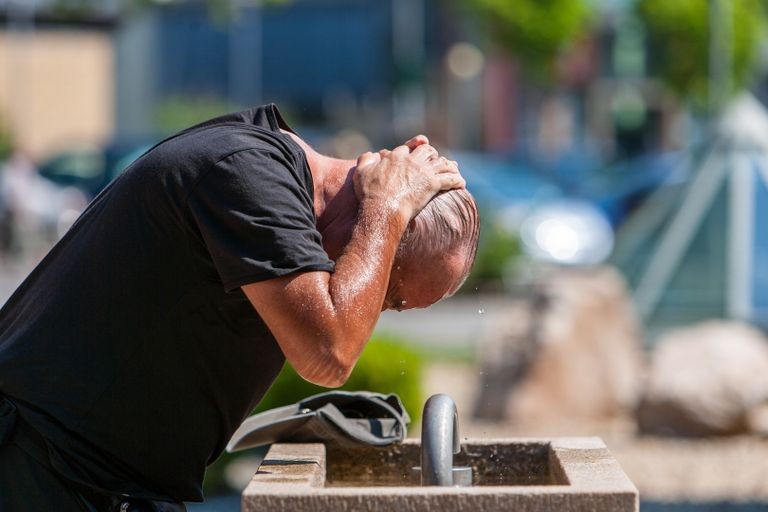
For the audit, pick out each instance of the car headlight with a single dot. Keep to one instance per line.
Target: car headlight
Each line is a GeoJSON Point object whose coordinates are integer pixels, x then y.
{"type": "Point", "coordinates": [567, 232]}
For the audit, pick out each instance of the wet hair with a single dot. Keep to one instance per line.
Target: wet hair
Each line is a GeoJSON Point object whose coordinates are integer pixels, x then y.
{"type": "Point", "coordinates": [448, 224]}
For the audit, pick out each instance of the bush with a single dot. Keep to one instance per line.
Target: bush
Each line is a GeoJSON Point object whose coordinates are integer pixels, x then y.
{"type": "Point", "coordinates": [6, 141]}
{"type": "Point", "coordinates": [179, 112]}
{"type": "Point", "coordinates": [387, 365]}
{"type": "Point", "coordinates": [498, 249]}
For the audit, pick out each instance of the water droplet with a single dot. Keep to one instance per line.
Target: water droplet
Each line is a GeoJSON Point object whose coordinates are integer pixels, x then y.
{"type": "Point", "coordinates": [481, 311]}
{"type": "Point", "coordinates": [402, 372]}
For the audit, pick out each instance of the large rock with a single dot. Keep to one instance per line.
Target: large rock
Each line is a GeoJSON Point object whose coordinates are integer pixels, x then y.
{"type": "Point", "coordinates": [709, 379]}
{"type": "Point", "coordinates": [572, 350]}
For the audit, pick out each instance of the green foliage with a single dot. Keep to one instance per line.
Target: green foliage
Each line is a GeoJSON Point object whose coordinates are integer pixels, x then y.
{"type": "Point", "coordinates": [179, 112]}
{"type": "Point", "coordinates": [387, 365]}
{"type": "Point", "coordinates": [679, 35]}
{"type": "Point", "coordinates": [536, 31]}
{"type": "Point", "coordinates": [498, 247]}
{"type": "Point", "coordinates": [6, 141]}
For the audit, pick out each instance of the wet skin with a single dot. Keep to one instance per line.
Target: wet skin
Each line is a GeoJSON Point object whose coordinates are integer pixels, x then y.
{"type": "Point", "coordinates": [322, 321]}
{"type": "Point", "coordinates": [419, 284]}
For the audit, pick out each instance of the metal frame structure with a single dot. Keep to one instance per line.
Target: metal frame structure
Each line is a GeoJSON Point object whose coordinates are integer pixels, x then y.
{"type": "Point", "coordinates": [736, 157]}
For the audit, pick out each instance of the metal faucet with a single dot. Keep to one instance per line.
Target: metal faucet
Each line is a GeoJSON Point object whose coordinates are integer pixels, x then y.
{"type": "Point", "coordinates": [439, 443]}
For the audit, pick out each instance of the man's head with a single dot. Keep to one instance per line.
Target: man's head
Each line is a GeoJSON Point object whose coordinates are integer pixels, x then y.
{"type": "Point", "coordinates": [436, 252]}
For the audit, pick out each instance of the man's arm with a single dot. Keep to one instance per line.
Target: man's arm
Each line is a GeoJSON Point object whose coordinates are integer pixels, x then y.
{"type": "Point", "coordinates": [322, 321]}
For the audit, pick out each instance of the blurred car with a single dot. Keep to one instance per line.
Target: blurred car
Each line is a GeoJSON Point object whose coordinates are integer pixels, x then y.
{"type": "Point", "coordinates": [91, 168]}
{"type": "Point", "coordinates": [620, 188]}
{"type": "Point", "coordinates": [507, 188]}
{"type": "Point", "coordinates": [495, 180]}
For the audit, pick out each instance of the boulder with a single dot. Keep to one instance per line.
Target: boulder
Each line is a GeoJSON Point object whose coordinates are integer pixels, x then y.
{"type": "Point", "coordinates": [572, 349]}
{"type": "Point", "coordinates": [707, 379]}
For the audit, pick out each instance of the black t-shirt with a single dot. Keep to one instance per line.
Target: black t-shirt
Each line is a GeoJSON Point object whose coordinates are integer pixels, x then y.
{"type": "Point", "coordinates": [131, 347]}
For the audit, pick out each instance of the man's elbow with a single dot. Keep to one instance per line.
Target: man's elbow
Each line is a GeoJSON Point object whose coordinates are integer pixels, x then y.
{"type": "Point", "coordinates": [330, 371]}
{"type": "Point", "coordinates": [328, 378]}
{"type": "Point", "coordinates": [325, 380]}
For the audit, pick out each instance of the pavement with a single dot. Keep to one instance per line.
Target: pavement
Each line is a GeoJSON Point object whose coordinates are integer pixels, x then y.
{"type": "Point", "coordinates": [454, 323]}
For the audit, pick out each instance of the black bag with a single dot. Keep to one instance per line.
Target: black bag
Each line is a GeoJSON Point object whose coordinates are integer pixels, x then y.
{"type": "Point", "coordinates": [337, 417]}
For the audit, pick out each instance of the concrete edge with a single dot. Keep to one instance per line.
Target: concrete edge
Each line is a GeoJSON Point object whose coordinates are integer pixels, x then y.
{"type": "Point", "coordinates": [295, 471]}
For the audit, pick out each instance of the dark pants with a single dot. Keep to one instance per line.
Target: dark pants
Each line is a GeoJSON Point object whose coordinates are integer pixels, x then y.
{"type": "Point", "coordinates": [27, 485]}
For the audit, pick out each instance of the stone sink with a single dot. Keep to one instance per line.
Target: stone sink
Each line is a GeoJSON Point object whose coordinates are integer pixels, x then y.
{"type": "Point", "coordinates": [522, 475]}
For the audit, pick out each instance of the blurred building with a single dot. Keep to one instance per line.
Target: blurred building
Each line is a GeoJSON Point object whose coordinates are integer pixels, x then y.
{"type": "Point", "coordinates": [318, 60]}
{"type": "Point", "coordinates": [56, 79]}
{"type": "Point", "coordinates": [382, 68]}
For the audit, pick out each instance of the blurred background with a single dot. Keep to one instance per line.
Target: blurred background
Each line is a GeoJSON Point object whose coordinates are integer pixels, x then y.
{"type": "Point", "coordinates": [618, 150]}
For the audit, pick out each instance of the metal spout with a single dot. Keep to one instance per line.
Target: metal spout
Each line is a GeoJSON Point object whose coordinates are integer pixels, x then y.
{"type": "Point", "coordinates": [439, 440]}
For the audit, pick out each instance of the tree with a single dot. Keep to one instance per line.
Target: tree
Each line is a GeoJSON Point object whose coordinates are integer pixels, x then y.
{"type": "Point", "coordinates": [536, 31]}
{"type": "Point", "coordinates": [679, 33]}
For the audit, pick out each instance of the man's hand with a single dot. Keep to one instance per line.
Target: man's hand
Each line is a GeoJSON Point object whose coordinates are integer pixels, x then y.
{"type": "Point", "coordinates": [404, 180]}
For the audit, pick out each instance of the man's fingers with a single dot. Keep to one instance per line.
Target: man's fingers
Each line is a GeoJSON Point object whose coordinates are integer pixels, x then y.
{"type": "Point", "coordinates": [368, 158]}
{"type": "Point", "coordinates": [424, 152]}
{"type": "Point", "coordinates": [417, 141]}
{"type": "Point", "coordinates": [442, 164]}
{"type": "Point", "coordinates": [447, 174]}
{"type": "Point", "coordinates": [450, 181]}
{"type": "Point", "coordinates": [401, 151]}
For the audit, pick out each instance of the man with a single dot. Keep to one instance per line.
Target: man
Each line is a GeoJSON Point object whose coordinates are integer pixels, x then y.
{"type": "Point", "coordinates": [142, 340]}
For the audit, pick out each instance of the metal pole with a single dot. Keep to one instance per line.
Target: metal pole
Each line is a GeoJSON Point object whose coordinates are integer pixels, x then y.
{"type": "Point", "coordinates": [245, 29]}
{"type": "Point", "coordinates": [741, 229]}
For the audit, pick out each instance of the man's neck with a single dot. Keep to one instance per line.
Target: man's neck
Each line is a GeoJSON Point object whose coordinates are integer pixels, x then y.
{"type": "Point", "coordinates": [329, 175]}
{"type": "Point", "coordinates": [335, 202]}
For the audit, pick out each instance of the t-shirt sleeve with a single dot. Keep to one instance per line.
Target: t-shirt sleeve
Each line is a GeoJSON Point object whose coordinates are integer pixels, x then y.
{"type": "Point", "coordinates": [255, 213]}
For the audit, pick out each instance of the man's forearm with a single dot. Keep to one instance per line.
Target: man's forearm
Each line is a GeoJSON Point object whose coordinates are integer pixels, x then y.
{"type": "Point", "coordinates": [322, 321]}
{"type": "Point", "coordinates": [358, 286]}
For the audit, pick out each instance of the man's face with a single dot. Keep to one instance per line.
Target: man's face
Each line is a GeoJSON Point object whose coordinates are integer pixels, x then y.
{"type": "Point", "coordinates": [418, 283]}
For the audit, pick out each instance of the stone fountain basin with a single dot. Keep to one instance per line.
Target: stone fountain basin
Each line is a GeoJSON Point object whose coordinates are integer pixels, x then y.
{"type": "Point", "coordinates": [524, 475]}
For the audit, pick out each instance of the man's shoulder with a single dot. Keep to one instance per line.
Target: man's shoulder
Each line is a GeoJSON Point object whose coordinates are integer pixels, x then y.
{"type": "Point", "coordinates": [253, 130]}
